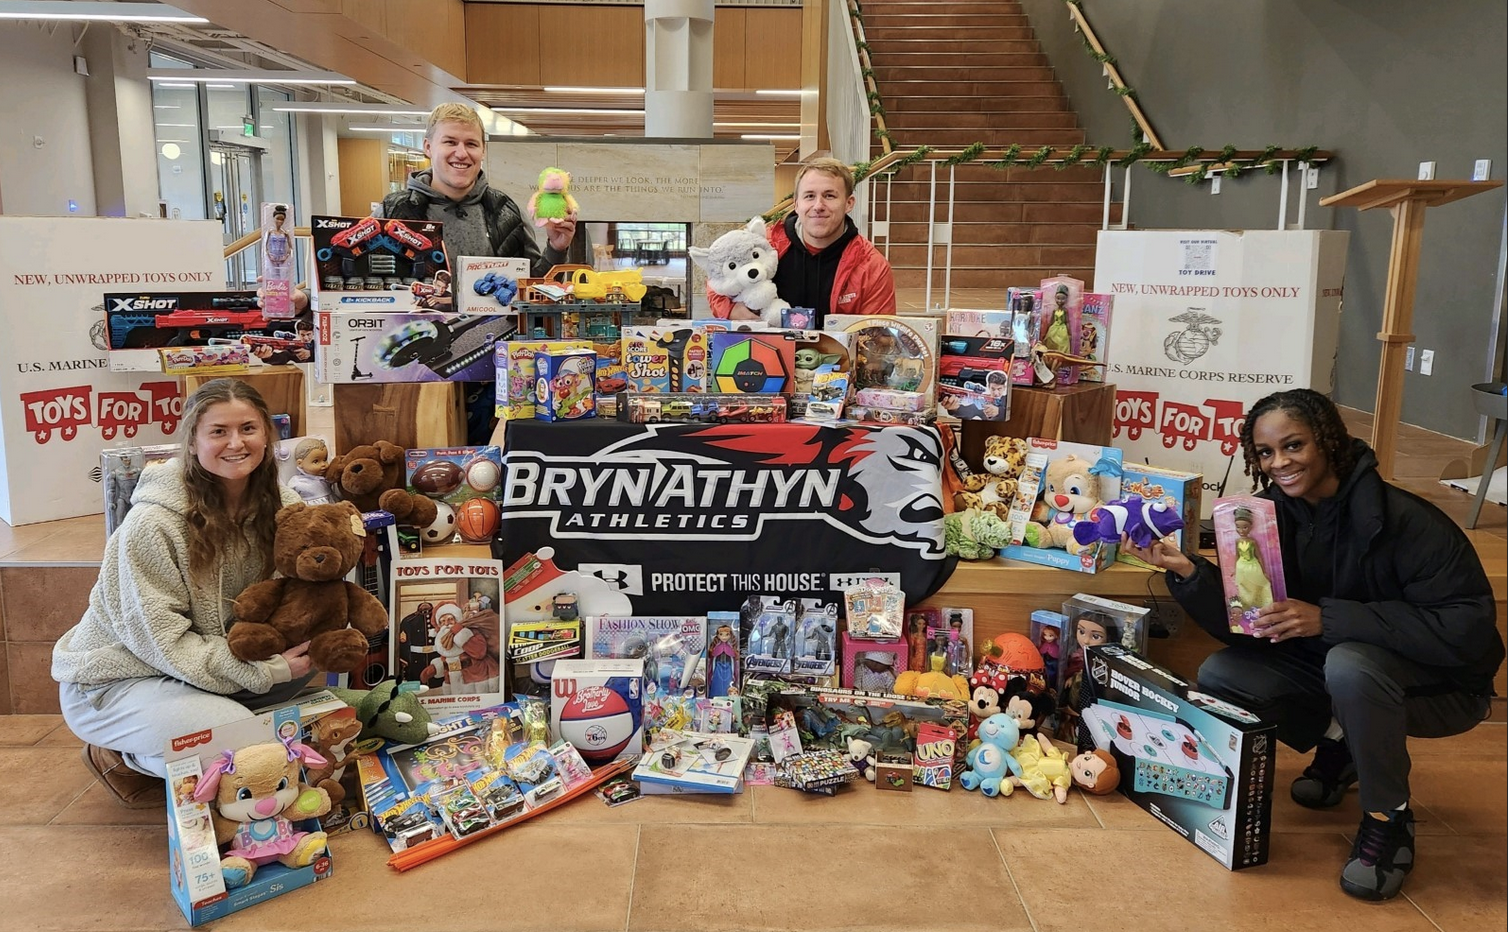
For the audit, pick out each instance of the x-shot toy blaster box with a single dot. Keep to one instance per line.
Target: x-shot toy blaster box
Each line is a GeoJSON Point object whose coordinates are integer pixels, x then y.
{"type": "Point", "coordinates": [138, 325]}
{"type": "Point", "coordinates": [377, 264]}
{"type": "Point", "coordinates": [1202, 766]}
{"type": "Point", "coordinates": [372, 345]}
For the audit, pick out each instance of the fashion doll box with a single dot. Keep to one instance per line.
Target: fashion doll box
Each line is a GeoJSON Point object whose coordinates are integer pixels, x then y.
{"type": "Point", "coordinates": [1060, 485]}
{"type": "Point", "coordinates": [1251, 560]}
{"type": "Point", "coordinates": [1200, 765]}
{"type": "Point", "coordinates": [1179, 489]}
{"type": "Point", "coordinates": [357, 345]}
{"type": "Point", "coordinates": [377, 264]}
{"type": "Point", "coordinates": [193, 856]}
{"type": "Point", "coordinates": [1094, 335]}
{"type": "Point", "coordinates": [1062, 321]}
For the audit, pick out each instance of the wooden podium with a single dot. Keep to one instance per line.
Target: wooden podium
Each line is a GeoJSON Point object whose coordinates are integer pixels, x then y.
{"type": "Point", "coordinates": [1407, 200]}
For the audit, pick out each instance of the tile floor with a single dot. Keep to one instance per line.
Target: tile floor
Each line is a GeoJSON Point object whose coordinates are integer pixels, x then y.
{"type": "Point", "coordinates": [773, 859]}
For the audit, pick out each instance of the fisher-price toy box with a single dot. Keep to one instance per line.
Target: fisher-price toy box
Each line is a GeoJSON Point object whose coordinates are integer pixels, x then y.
{"type": "Point", "coordinates": [193, 855]}
{"type": "Point", "coordinates": [1061, 484]}
{"type": "Point", "coordinates": [1179, 489]}
{"type": "Point", "coordinates": [417, 346]}
{"type": "Point", "coordinates": [1200, 765]}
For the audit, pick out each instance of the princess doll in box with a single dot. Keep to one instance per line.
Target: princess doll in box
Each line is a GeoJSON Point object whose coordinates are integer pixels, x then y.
{"type": "Point", "coordinates": [1246, 536]}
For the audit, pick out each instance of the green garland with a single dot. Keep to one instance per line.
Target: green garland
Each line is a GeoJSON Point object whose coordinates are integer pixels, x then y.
{"type": "Point", "coordinates": [968, 155]}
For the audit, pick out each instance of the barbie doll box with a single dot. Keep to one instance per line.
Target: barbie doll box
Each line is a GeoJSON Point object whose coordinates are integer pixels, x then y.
{"type": "Point", "coordinates": [1200, 765]}
{"type": "Point", "coordinates": [1251, 560]}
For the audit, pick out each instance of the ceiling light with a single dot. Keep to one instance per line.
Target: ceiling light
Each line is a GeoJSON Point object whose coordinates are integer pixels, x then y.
{"type": "Point", "coordinates": [251, 76]}
{"type": "Point", "coordinates": [630, 91]}
{"type": "Point", "coordinates": [166, 107]}
{"type": "Point", "coordinates": [221, 87]}
{"type": "Point", "coordinates": [769, 138]}
{"type": "Point", "coordinates": [179, 86]}
{"type": "Point", "coordinates": [108, 12]}
{"type": "Point", "coordinates": [180, 125]}
{"type": "Point", "coordinates": [569, 111]}
{"type": "Point", "coordinates": [388, 128]}
{"type": "Point", "coordinates": [336, 106]}
{"type": "Point", "coordinates": [782, 93]}
{"type": "Point", "coordinates": [170, 150]}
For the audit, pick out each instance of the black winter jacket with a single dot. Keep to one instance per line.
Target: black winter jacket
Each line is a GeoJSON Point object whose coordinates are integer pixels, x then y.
{"type": "Point", "coordinates": [505, 224]}
{"type": "Point", "coordinates": [1405, 578]}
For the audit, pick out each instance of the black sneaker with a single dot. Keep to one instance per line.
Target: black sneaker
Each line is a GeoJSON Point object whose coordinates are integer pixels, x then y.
{"type": "Point", "coordinates": [1381, 856]}
{"type": "Point", "coordinates": [1326, 779]}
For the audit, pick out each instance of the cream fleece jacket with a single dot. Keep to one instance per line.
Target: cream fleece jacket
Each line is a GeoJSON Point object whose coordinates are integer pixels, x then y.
{"type": "Point", "coordinates": [145, 618]}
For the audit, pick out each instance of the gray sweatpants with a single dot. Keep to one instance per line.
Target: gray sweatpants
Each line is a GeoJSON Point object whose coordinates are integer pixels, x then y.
{"type": "Point", "coordinates": [1380, 699]}
{"type": "Point", "coordinates": [138, 717]}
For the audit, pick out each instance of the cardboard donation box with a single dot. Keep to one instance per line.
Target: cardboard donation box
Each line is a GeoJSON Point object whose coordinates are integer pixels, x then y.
{"type": "Point", "coordinates": [1208, 322]}
{"type": "Point", "coordinates": [60, 406]}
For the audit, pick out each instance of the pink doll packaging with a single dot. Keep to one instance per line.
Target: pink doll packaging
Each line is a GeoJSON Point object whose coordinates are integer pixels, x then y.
{"type": "Point", "coordinates": [1062, 312]}
{"type": "Point", "coordinates": [1251, 562]}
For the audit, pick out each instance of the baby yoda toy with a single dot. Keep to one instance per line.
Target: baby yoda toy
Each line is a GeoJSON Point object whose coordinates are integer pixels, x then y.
{"type": "Point", "coordinates": [552, 201]}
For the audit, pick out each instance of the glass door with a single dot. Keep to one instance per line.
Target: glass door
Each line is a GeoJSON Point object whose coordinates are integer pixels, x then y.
{"type": "Point", "coordinates": [236, 179]}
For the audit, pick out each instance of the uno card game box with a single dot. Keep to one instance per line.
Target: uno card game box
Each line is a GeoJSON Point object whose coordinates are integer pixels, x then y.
{"type": "Point", "coordinates": [1202, 766]}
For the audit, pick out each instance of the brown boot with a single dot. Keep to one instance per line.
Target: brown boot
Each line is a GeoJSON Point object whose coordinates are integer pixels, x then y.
{"type": "Point", "coordinates": [130, 788]}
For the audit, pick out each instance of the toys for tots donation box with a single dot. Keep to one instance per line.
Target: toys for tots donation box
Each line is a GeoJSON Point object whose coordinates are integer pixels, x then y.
{"type": "Point", "coordinates": [59, 403]}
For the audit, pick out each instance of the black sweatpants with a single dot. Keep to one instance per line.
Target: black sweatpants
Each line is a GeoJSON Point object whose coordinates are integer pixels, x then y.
{"type": "Point", "coordinates": [1380, 698]}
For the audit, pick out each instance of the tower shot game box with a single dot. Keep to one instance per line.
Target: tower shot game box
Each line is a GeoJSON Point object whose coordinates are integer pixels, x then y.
{"type": "Point", "coordinates": [1202, 766]}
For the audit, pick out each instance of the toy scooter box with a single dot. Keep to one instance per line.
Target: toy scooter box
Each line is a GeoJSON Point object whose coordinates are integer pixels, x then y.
{"type": "Point", "coordinates": [487, 285]}
{"type": "Point", "coordinates": [1202, 766]}
{"type": "Point", "coordinates": [513, 369]}
{"type": "Point", "coordinates": [193, 855]}
{"type": "Point", "coordinates": [1180, 490]}
{"type": "Point", "coordinates": [370, 345]}
{"type": "Point", "coordinates": [1099, 466]}
{"type": "Point", "coordinates": [138, 325]}
{"type": "Point", "coordinates": [377, 264]}
{"type": "Point", "coordinates": [564, 385]}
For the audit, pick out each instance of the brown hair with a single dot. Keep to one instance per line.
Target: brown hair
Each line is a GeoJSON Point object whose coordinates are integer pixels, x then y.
{"type": "Point", "coordinates": [1315, 412]}
{"type": "Point", "coordinates": [827, 166]}
{"type": "Point", "coordinates": [454, 113]}
{"type": "Point", "coordinates": [210, 524]}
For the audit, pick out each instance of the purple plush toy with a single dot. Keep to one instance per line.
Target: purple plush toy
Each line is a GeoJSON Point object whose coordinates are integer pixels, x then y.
{"type": "Point", "coordinates": [1141, 521]}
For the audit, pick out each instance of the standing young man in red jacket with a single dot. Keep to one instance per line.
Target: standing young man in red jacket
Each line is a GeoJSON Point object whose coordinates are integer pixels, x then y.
{"type": "Point", "coordinates": [832, 268]}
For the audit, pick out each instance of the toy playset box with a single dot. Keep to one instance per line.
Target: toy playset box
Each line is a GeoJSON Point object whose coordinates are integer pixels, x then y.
{"type": "Point", "coordinates": [708, 763]}
{"type": "Point", "coordinates": [513, 370]}
{"type": "Point", "coordinates": [487, 285]}
{"type": "Point", "coordinates": [1202, 766]}
{"type": "Point", "coordinates": [1062, 483]}
{"type": "Point", "coordinates": [673, 648]}
{"type": "Point", "coordinates": [1178, 489]}
{"type": "Point", "coordinates": [565, 385]}
{"type": "Point", "coordinates": [201, 775]}
{"type": "Point", "coordinates": [376, 345]}
{"type": "Point", "coordinates": [464, 483]}
{"type": "Point", "coordinates": [891, 352]}
{"type": "Point", "coordinates": [598, 706]}
{"type": "Point", "coordinates": [375, 264]}
{"type": "Point", "coordinates": [751, 363]}
{"type": "Point", "coordinates": [1251, 561]}
{"type": "Point", "coordinates": [138, 325]}
{"type": "Point", "coordinates": [446, 631]}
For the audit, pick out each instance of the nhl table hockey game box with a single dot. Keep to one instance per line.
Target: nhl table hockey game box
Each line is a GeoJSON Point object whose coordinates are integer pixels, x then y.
{"type": "Point", "coordinates": [1202, 766]}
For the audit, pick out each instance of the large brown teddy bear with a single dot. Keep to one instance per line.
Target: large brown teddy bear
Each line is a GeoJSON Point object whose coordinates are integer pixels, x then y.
{"type": "Point", "coordinates": [370, 476]}
{"type": "Point", "coordinates": [314, 547]}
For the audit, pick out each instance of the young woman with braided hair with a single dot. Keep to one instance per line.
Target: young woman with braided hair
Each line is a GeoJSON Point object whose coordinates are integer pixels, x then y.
{"type": "Point", "coordinates": [1388, 631]}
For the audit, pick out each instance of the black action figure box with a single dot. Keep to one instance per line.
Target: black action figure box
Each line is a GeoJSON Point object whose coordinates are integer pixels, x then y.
{"type": "Point", "coordinates": [1200, 765]}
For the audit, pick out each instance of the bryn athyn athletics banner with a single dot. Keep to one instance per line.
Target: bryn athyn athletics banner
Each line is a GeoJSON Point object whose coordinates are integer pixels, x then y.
{"type": "Point", "coordinates": [1205, 323]}
{"type": "Point", "coordinates": [684, 519]}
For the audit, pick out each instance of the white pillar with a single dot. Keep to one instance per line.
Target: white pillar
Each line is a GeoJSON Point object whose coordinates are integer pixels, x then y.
{"type": "Point", "coordinates": [121, 140]}
{"type": "Point", "coordinates": [678, 68]}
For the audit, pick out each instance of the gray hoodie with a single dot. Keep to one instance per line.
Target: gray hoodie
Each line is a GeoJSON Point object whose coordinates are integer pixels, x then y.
{"type": "Point", "coordinates": [465, 225]}
{"type": "Point", "coordinates": [145, 618]}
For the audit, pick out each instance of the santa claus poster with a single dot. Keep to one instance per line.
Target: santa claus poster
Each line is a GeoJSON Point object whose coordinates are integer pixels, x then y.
{"type": "Point", "coordinates": [447, 631]}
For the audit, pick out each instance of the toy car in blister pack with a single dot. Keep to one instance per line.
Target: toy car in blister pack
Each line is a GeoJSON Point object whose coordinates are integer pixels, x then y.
{"type": "Point", "coordinates": [875, 612]}
{"type": "Point", "coordinates": [532, 768]}
{"type": "Point", "coordinates": [568, 763]}
{"type": "Point", "coordinates": [462, 812]}
{"type": "Point", "coordinates": [500, 795]}
{"type": "Point", "coordinates": [768, 625]}
{"type": "Point", "coordinates": [816, 645]}
{"type": "Point", "coordinates": [409, 822]}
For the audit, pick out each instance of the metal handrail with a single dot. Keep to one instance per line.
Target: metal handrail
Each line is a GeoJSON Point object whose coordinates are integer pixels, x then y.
{"type": "Point", "coordinates": [251, 239]}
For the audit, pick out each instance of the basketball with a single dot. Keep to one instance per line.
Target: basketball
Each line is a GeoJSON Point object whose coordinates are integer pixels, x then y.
{"type": "Point", "coordinates": [482, 475]}
{"type": "Point", "coordinates": [598, 722]}
{"type": "Point", "coordinates": [477, 519]}
{"type": "Point", "coordinates": [443, 529]}
{"type": "Point", "coordinates": [436, 478]}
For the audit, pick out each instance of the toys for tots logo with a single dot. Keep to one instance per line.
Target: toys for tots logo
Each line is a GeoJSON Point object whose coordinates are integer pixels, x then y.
{"type": "Point", "coordinates": [62, 411]}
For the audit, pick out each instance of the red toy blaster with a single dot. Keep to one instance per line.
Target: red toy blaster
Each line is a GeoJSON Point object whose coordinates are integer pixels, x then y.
{"type": "Point", "coordinates": [358, 239]}
{"type": "Point", "coordinates": [185, 318]}
{"type": "Point", "coordinates": [413, 243]}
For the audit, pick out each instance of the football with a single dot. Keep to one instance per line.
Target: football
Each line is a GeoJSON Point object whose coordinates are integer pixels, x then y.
{"type": "Point", "coordinates": [477, 520]}
{"type": "Point", "coordinates": [443, 529]}
{"type": "Point", "coordinates": [437, 478]}
{"type": "Point", "coordinates": [482, 474]}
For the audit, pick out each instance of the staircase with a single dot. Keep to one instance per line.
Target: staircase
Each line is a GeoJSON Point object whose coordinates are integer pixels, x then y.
{"type": "Point", "coordinates": [950, 75]}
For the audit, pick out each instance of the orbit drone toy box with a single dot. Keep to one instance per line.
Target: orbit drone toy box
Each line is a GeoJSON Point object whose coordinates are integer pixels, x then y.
{"type": "Point", "coordinates": [375, 346]}
{"type": "Point", "coordinates": [1202, 766]}
{"type": "Point", "coordinates": [377, 264]}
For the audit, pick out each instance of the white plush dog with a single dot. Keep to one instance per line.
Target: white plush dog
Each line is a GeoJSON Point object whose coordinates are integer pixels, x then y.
{"type": "Point", "coordinates": [740, 265]}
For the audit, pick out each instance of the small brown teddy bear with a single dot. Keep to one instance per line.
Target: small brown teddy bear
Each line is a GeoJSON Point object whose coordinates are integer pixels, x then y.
{"type": "Point", "coordinates": [370, 476]}
{"type": "Point", "coordinates": [314, 547]}
{"type": "Point", "coordinates": [1004, 459]}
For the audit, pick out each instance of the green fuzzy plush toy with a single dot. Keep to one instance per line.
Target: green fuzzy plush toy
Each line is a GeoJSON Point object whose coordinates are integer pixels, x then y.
{"type": "Point", "coordinates": [552, 201]}
{"type": "Point", "coordinates": [975, 534]}
{"type": "Point", "coordinates": [389, 711]}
